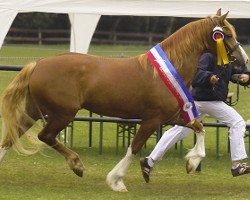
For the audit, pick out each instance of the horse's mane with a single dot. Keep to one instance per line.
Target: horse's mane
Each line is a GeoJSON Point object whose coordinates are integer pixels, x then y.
{"type": "Point", "coordinates": [186, 40]}
{"type": "Point", "coordinates": [195, 35]}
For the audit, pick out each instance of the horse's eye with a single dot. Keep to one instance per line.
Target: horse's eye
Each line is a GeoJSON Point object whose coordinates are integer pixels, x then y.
{"type": "Point", "coordinates": [229, 35]}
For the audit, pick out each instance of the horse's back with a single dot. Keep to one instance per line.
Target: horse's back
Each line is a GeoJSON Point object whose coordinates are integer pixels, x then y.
{"type": "Point", "coordinates": [78, 80]}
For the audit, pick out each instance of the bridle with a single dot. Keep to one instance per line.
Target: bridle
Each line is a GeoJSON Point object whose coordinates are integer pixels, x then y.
{"type": "Point", "coordinates": [229, 49]}
{"type": "Point", "coordinates": [219, 30]}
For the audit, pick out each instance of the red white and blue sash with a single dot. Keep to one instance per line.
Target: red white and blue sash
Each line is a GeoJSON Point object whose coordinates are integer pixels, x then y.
{"type": "Point", "coordinates": [174, 82]}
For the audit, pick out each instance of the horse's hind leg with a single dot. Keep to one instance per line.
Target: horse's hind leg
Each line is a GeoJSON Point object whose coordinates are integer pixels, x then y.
{"type": "Point", "coordinates": [48, 136]}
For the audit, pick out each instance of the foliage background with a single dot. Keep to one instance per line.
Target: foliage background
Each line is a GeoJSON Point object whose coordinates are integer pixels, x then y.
{"type": "Point", "coordinates": [136, 24]}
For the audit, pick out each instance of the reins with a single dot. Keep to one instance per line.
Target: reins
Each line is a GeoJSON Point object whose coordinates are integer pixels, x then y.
{"type": "Point", "coordinates": [229, 102]}
{"type": "Point", "coordinates": [237, 94]}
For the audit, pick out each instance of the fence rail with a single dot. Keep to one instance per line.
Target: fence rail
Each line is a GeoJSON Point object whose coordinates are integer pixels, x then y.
{"type": "Point", "coordinates": [51, 36]}
{"type": "Point", "coordinates": [10, 68]}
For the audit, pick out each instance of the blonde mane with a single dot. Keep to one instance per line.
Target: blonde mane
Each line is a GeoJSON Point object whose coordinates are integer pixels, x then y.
{"type": "Point", "coordinates": [193, 37]}
{"type": "Point", "coordinates": [186, 40]}
{"type": "Point", "coordinates": [183, 43]}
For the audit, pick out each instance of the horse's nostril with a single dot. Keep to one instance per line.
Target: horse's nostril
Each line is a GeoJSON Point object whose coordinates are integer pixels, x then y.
{"type": "Point", "coordinates": [247, 61]}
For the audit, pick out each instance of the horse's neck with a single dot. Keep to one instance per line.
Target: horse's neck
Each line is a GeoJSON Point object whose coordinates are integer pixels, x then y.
{"type": "Point", "coordinates": [184, 50]}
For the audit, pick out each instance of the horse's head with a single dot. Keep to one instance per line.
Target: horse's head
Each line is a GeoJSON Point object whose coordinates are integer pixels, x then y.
{"type": "Point", "coordinates": [222, 28]}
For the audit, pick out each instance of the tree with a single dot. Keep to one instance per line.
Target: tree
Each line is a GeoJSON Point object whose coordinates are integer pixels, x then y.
{"type": "Point", "coordinates": [41, 21]}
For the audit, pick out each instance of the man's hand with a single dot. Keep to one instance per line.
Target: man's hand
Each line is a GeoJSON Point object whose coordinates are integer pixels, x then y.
{"type": "Point", "coordinates": [214, 79]}
{"type": "Point", "coordinates": [244, 78]}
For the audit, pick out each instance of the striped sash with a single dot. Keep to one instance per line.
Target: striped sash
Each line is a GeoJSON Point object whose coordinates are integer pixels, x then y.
{"type": "Point", "coordinates": [174, 82]}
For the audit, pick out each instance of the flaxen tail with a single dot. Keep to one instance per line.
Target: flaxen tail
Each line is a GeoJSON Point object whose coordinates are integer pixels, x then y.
{"type": "Point", "coordinates": [13, 112]}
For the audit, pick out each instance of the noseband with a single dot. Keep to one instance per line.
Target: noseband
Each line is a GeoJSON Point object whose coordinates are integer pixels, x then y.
{"type": "Point", "coordinates": [231, 50]}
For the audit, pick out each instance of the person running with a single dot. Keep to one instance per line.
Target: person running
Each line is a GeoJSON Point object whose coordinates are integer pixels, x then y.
{"type": "Point", "coordinates": [209, 90]}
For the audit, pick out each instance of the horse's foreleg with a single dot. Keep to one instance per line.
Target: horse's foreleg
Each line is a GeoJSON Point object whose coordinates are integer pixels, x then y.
{"type": "Point", "coordinates": [197, 153]}
{"type": "Point", "coordinates": [115, 176]}
{"type": "Point", "coordinates": [48, 136]}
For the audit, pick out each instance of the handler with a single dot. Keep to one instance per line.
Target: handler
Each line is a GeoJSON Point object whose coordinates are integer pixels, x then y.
{"type": "Point", "coordinates": [209, 90]}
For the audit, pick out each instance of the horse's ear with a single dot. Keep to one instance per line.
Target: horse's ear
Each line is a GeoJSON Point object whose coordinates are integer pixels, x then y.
{"type": "Point", "coordinates": [223, 17]}
{"type": "Point", "coordinates": [218, 12]}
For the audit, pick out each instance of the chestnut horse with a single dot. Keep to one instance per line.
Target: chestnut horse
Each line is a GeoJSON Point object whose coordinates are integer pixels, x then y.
{"type": "Point", "coordinates": [61, 85]}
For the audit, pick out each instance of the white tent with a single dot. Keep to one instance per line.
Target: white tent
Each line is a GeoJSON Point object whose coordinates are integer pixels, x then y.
{"type": "Point", "coordinates": [84, 14]}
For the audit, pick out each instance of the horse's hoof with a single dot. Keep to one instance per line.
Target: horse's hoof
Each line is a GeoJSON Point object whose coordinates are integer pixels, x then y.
{"type": "Point", "coordinates": [115, 183]}
{"type": "Point", "coordinates": [117, 188]}
{"type": "Point", "coordinates": [3, 151]}
{"type": "Point", "coordinates": [78, 172]}
{"type": "Point", "coordinates": [123, 190]}
{"type": "Point", "coordinates": [189, 167]}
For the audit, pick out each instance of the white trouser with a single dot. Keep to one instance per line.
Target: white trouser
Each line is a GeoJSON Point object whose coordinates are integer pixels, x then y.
{"type": "Point", "coordinates": [218, 110]}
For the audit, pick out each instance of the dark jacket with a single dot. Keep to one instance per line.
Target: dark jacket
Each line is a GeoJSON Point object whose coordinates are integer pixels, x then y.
{"type": "Point", "coordinates": [202, 89]}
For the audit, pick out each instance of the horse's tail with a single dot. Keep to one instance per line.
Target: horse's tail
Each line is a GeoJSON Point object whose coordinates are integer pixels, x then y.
{"type": "Point", "coordinates": [13, 112]}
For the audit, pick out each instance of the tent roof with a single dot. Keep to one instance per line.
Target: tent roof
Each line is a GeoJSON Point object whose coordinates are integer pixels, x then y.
{"type": "Point", "coordinates": [187, 8]}
{"type": "Point", "coordinates": [84, 14]}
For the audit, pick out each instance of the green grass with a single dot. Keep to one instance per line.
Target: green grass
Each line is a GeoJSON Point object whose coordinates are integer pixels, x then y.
{"type": "Point", "coordinates": [40, 177]}
{"type": "Point", "coordinates": [48, 177]}
{"type": "Point", "coordinates": [22, 54]}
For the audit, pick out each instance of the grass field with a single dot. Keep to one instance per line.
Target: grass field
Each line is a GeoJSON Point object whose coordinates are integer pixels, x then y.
{"type": "Point", "coordinates": [47, 177]}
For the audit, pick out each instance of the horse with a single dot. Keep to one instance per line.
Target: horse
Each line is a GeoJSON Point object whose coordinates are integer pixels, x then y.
{"type": "Point", "coordinates": [59, 86]}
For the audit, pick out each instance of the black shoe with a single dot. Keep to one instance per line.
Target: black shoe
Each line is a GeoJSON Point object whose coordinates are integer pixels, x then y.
{"type": "Point", "coordinates": [145, 169]}
{"type": "Point", "coordinates": [241, 170]}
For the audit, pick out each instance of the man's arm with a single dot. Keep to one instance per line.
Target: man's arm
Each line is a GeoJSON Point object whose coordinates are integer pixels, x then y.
{"type": "Point", "coordinates": [204, 75]}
